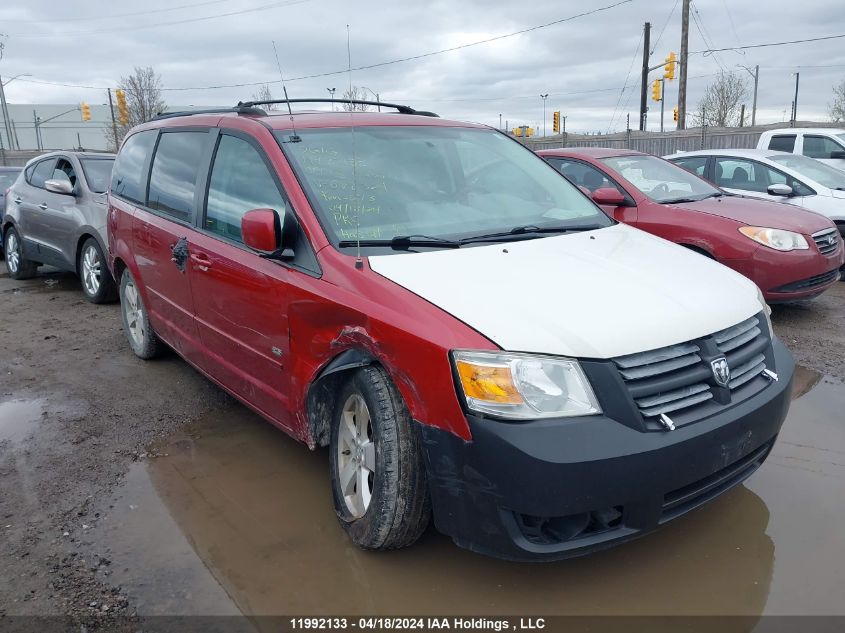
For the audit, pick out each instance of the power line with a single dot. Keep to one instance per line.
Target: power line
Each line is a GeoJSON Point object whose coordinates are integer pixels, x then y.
{"type": "Point", "coordinates": [731, 20]}
{"type": "Point", "coordinates": [116, 15]}
{"type": "Point", "coordinates": [627, 77]}
{"type": "Point", "coordinates": [157, 24]}
{"type": "Point", "coordinates": [710, 51]}
{"type": "Point", "coordinates": [665, 24]}
{"type": "Point", "coordinates": [708, 41]}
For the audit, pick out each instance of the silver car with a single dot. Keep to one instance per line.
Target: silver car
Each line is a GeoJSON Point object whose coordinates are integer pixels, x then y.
{"type": "Point", "coordinates": [56, 215]}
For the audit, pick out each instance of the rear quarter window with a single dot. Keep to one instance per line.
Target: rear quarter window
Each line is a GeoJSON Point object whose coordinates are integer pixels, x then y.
{"type": "Point", "coordinates": [128, 176]}
{"type": "Point", "coordinates": [782, 143]}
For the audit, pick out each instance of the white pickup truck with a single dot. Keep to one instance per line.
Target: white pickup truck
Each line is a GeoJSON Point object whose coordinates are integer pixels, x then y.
{"type": "Point", "coordinates": [822, 143]}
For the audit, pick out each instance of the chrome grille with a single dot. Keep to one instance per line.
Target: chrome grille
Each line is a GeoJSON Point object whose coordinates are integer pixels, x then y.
{"type": "Point", "coordinates": [678, 379]}
{"type": "Point", "coordinates": [824, 243]}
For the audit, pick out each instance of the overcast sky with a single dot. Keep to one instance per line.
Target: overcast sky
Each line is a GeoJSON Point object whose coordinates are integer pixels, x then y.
{"type": "Point", "coordinates": [582, 63]}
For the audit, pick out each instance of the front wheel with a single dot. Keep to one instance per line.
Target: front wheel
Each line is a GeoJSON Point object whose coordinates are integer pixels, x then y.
{"type": "Point", "coordinates": [18, 266]}
{"type": "Point", "coordinates": [378, 475]}
{"type": "Point", "coordinates": [97, 283]}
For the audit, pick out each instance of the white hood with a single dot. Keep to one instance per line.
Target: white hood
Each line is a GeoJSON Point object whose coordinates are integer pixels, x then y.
{"type": "Point", "coordinates": [596, 294]}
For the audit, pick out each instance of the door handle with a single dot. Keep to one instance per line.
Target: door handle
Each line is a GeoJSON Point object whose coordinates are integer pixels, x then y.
{"type": "Point", "coordinates": [43, 206]}
{"type": "Point", "coordinates": [18, 199]}
{"type": "Point", "coordinates": [201, 262]}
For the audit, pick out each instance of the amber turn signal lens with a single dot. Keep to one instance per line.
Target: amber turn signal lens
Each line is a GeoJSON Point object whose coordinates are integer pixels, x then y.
{"type": "Point", "coordinates": [488, 383]}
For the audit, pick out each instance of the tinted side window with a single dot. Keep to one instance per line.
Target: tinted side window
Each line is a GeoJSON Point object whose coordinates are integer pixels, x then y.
{"type": "Point", "coordinates": [583, 175]}
{"type": "Point", "coordinates": [693, 164]}
{"type": "Point", "coordinates": [738, 174]}
{"type": "Point", "coordinates": [820, 146]}
{"type": "Point", "coordinates": [128, 178]}
{"type": "Point", "coordinates": [173, 177]}
{"type": "Point", "coordinates": [782, 143]}
{"type": "Point", "coordinates": [43, 171]}
{"type": "Point", "coordinates": [240, 181]}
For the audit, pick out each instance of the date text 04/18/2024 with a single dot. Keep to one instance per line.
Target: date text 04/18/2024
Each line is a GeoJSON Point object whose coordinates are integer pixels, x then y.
{"type": "Point", "coordinates": [411, 623]}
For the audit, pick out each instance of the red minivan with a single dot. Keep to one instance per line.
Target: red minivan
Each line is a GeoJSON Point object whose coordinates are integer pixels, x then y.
{"type": "Point", "coordinates": [473, 338]}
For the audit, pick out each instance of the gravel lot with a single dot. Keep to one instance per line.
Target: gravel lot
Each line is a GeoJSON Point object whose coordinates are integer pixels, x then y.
{"type": "Point", "coordinates": [78, 412]}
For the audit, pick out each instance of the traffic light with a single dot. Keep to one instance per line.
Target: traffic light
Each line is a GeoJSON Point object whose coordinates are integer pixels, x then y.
{"type": "Point", "coordinates": [122, 108]}
{"type": "Point", "coordinates": [86, 111]}
{"type": "Point", "coordinates": [669, 68]}
{"type": "Point", "coordinates": [556, 122]}
{"type": "Point", "coordinates": [656, 90]}
{"type": "Point", "coordinates": [675, 113]}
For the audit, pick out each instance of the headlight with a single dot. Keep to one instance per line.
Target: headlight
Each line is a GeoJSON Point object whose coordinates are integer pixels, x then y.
{"type": "Point", "coordinates": [524, 386]}
{"type": "Point", "coordinates": [777, 239]}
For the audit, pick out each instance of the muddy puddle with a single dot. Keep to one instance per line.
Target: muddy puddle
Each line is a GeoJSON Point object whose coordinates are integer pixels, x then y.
{"type": "Point", "coordinates": [234, 517]}
{"type": "Point", "coordinates": [49, 280]}
{"type": "Point", "coordinates": [19, 418]}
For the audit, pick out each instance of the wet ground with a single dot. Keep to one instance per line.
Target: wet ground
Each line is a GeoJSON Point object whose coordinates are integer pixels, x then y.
{"type": "Point", "coordinates": [148, 491]}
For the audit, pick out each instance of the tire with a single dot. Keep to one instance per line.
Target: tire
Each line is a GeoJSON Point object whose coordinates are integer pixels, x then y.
{"type": "Point", "coordinates": [97, 283]}
{"type": "Point", "coordinates": [392, 470]}
{"type": "Point", "coordinates": [16, 264]}
{"type": "Point", "coordinates": [136, 323]}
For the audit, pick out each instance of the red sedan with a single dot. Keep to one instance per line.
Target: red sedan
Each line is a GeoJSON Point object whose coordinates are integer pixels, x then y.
{"type": "Point", "coordinates": [790, 253]}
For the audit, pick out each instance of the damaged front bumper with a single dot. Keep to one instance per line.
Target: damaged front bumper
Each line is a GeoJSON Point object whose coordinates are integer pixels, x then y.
{"type": "Point", "coordinates": [559, 488]}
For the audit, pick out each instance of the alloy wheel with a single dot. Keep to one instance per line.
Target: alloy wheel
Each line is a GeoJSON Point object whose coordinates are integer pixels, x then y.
{"type": "Point", "coordinates": [356, 456]}
{"type": "Point", "coordinates": [13, 256]}
{"type": "Point", "coordinates": [92, 267]}
{"type": "Point", "coordinates": [134, 317]}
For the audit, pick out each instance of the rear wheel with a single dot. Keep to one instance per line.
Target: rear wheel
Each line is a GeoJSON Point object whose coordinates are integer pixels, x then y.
{"type": "Point", "coordinates": [378, 475]}
{"type": "Point", "coordinates": [97, 283]}
{"type": "Point", "coordinates": [136, 323]}
{"type": "Point", "coordinates": [18, 266]}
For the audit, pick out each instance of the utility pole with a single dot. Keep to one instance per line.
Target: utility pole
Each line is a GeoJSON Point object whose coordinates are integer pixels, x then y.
{"type": "Point", "coordinates": [644, 86]}
{"type": "Point", "coordinates": [682, 84]}
{"type": "Point", "coordinates": [35, 129]}
{"type": "Point", "coordinates": [795, 102]}
{"type": "Point", "coordinates": [742, 116]}
{"type": "Point", "coordinates": [662, 100]}
{"type": "Point", "coordinates": [113, 122]}
{"type": "Point", "coordinates": [754, 104]}
{"type": "Point", "coordinates": [6, 121]}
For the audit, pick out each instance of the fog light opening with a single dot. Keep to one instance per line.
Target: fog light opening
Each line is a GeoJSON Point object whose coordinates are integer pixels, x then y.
{"type": "Point", "coordinates": [547, 530]}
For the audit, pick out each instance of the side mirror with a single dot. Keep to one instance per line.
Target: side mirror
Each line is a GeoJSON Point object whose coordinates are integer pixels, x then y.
{"type": "Point", "coordinates": [837, 153]}
{"type": "Point", "coordinates": [261, 230]}
{"type": "Point", "coordinates": [780, 190]}
{"type": "Point", "coordinates": [59, 186]}
{"type": "Point", "coordinates": [608, 196]}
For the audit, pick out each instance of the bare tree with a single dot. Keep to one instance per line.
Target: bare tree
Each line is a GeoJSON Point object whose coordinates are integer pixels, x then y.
{"type": "Point", "coordinates": [264, 94]}
{"type": "Point", "coordinates": [143, 100]}
{"type": "Point", "coordinates": [356, 94]}
{"type": "Point", "coordinates": [837, 108]}
{"type": "Point", "coordinates": [721, 104]}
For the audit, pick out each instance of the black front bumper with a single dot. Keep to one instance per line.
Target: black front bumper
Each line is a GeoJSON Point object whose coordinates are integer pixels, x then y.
{"type": "Point", "coordinates": [563, 487]}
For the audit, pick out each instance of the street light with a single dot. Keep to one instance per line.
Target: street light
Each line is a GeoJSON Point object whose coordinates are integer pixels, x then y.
{"type": "Point", "coordinates": [795, 102]}
{"type": "Point", "coordinates": [375, 94]}
{"type": "Point", "coordinates": [544, 97]}
{"type": "Point", "coordinates": [756, 76]}
{"type": "Point", "coordinates": [8, 81]}
{"type": "Point", "coordinates": [331, 92]}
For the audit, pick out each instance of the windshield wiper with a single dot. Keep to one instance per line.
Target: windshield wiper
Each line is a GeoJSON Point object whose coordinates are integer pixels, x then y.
{"type": "Point", "coordinates": [519, 232]}
{"type": "Point", "coordinates": [403, 242]}
{"type": "Point", "coordinates": [680, 200]}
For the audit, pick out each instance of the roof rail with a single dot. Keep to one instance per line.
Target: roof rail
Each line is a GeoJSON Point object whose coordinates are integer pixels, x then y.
{"type": "Point", "coordinates": [402, 109]}
{"type": "Point", "coordinates": [238, 109]}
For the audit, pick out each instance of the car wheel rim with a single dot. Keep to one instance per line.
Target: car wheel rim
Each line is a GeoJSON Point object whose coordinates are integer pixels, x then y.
{"type": "Point", "coordinates": [132, 312]}
{"type": "Point", "coordinates": [356, 456]}
{"type": "Point", "coordinates": [91, 270]}
{"type": "Point", "coordinates": [12, 254]}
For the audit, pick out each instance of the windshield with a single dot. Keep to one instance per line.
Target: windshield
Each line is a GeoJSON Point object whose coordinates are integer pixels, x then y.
{"type": "Point", "coordinates": [661, 180]}
{"type": "Point", "coordinates": [443, 182]}
{"type": "Point", "coordinates": [825, 175]}
{"type": "Point", "coordinates": [841, 137]}
{"type": "Point", "coordinates": [97, 173]}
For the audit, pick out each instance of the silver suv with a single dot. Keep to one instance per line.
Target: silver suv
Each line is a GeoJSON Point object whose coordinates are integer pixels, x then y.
{"type": "Point", "coordinates": [56, 215]}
